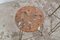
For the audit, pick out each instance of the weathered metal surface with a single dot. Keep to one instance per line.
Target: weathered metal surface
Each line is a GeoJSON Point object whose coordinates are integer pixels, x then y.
{"type": "Point", "coordinates": [10, 31]}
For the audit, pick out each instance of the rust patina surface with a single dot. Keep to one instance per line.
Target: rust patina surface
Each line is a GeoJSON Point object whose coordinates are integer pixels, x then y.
{"type": "Point", "coordinates": [29, 18]}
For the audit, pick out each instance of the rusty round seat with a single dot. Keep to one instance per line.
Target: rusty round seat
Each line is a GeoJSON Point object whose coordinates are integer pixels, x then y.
{"type": "Point", "coordinates": [29, 18]}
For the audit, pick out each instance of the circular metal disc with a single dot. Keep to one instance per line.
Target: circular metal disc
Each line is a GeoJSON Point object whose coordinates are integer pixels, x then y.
{"type": "Point", "coordinates": [29, 18]}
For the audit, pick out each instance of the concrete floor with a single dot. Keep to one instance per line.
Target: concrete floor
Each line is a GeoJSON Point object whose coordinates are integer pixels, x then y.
{"type": "Point", "coordinates": [10, 31]}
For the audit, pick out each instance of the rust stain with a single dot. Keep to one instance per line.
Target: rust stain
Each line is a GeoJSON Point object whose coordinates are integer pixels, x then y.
{"type": "Point", "coordinates": [29, 18]}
